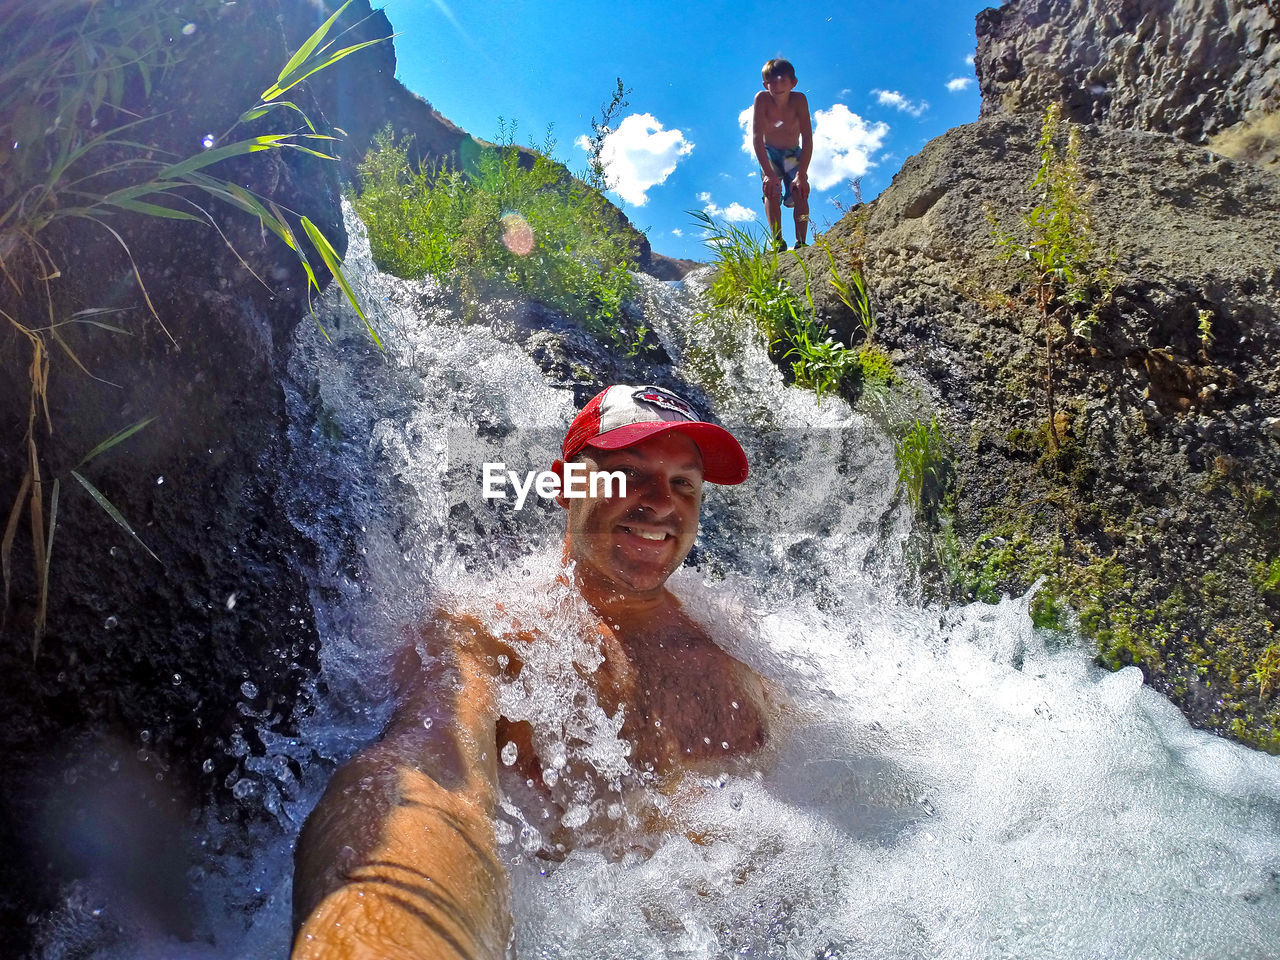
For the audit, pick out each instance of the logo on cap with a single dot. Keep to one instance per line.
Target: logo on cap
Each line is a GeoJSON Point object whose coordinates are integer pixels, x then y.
{"type": "Point", "coordinates": [658, 397]}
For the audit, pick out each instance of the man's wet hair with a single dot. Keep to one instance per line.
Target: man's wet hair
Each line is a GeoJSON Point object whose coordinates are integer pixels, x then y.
{"type": "Point", "coordinates": [778, 67]}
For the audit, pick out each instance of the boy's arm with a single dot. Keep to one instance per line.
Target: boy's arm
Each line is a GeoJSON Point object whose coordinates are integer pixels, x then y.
{"type": "Point", "coordinates": [399, 859]}
{"type": "Point", "coordinates": [768, 177]}
{"type": "Point", "coordinates": [806, 138]}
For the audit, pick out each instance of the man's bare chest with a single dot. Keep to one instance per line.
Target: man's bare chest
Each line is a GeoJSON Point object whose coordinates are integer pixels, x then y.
{"type": "Point", "coordinates": [685, 704]}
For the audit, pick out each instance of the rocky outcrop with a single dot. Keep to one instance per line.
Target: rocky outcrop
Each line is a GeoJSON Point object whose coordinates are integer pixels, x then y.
{"type": "Point", "coordinates": [1155, 515]}
{"type": "Point", "coordinates": [1189, 68]}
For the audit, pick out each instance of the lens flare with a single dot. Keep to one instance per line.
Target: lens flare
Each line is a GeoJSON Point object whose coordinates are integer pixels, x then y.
{"type": "Point", "coordinates": [517, 235]}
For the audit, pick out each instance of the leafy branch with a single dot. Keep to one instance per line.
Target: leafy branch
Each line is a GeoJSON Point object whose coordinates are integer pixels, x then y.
{"type": "Point", "coordinates": [600, 130]}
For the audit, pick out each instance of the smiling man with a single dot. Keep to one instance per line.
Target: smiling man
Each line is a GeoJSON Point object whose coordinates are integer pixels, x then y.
{"type": "Point", "coordinates": [399, 858]}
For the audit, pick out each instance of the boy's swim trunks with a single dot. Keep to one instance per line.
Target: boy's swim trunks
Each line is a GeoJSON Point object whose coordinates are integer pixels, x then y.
{"type": "Point", "coordinates": [786, 160]}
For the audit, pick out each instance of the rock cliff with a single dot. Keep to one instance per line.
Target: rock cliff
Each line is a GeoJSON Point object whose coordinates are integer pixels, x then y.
{"type": "Point", "coordinates": [1154, 514]}
{"type": "Point", "coordinates": [1189, 68]}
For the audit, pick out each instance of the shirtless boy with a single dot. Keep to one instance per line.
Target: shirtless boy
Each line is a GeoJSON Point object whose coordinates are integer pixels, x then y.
{"type": "Point", "coordinates": [782, 135]}
{"type": "Point", "coordinates": [399, 858]}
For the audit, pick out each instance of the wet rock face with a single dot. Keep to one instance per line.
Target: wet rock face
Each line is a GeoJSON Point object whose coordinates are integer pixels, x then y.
{"type": "Point", "coordinates": [1190, 68]}
{"type": "Point", "coordinates": [1167, 474]}
{"type": "Point", "coordinates": [181, 661]}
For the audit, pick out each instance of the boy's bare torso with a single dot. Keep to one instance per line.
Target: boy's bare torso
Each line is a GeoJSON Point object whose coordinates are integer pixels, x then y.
{"type": "Point", "coordinates": [781, 123]}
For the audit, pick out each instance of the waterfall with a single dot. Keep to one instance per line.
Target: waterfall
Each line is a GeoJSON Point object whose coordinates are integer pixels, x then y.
{"type": "Point", "coordinates": [945, 781]}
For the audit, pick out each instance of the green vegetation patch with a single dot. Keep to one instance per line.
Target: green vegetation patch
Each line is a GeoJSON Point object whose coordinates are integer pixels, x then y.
{"type": "Point", "coordinates": [77, 150]}
{"type": "Point", "coordinates": [503, 225]}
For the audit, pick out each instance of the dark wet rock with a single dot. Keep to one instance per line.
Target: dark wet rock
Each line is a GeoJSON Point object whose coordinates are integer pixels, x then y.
{"type": "Point", "coordinates": [185, 659]}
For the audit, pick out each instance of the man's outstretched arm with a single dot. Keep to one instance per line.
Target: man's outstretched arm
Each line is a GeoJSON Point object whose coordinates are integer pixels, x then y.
{"type": "Point", "coordinates": [399, 860]}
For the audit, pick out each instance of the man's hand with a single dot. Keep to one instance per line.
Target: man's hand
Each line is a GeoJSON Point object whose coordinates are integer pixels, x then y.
{"type": "Point", "coordinates": [771, 186]}
{"type": "Point", "coordinates": [800, 186]}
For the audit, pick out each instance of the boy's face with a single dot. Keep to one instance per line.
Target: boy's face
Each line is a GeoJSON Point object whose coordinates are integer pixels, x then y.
{"type": "Point", "coordinates": [779, 84]}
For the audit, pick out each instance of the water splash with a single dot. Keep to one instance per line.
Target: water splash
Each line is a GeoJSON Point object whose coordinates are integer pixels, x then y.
{"type": "Point", "coordinates": [945, 782]}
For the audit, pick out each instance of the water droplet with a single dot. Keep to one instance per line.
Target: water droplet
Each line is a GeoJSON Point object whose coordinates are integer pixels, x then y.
{"type": "Point", "coordinates": [503, 660]}
{"type": "Point", "coordinates": [724, 744]}
{"type": "Point", "coordinates": [530, 839]}
{"type": "Point", "coordinates": [208, 141]}
{"type": "Point", "coordinates": [231, 600]}
{"type": "Point", "coordinates": [427, 722]}
{"type": "Point", "coordinates": [207, 766]}
{"type": "Point", "coordinates": [111, 621]}
{"type": "Point", "coordinates": [248, 690]}
{"type": "Point", "coordinates": [189, 29]}
{"type": "Point", "coordinates": [177, 679]}
{"type": "Point", "coordinates": [509, 753]}
{"type": "Point", "coordinates": [734, 704]}
{"type": "Point", "coordinates": [243, 789]}
{"type": "Point", "coordinates": [145, 736]}
{"type": "Point", "coordinates": [159, 480]}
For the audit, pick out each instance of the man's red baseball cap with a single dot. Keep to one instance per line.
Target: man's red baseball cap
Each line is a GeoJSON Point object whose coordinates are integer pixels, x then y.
{"type": "Point", "coordinates": [622, 415]}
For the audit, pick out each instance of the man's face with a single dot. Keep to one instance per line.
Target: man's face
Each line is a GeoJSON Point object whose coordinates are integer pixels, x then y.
{"type": "Point", "coordinates": [634, 543]}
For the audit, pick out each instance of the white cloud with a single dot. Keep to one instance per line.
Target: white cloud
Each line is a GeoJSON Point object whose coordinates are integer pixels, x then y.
{"type": "Point", "coordinates": [892, 98]}
{"type": "Point", "coordinates": [677, 232]}
{"type": "Point", "coordinates": [639, 154]}
{"type": "Point", "coordinates": [959, 83]}
{"type": "Point", "coordinates": [842, 144]}
{"type": "Point", "coordinates": [744, 121]}
{"type": "Point", "coordinates": [969, 59]}
{"type": "Point", "coordinates": [734, 212]}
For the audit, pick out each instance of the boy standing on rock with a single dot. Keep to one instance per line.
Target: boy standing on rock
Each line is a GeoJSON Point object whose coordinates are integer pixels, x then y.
{"type": "Point", "coordinates": [782, 135]}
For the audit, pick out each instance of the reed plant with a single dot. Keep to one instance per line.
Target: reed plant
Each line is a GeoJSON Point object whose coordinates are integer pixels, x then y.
{"type": "Point", "coordinates": [747, 282]}
{"type": "Point", "coordinates": [1057, 248]}
{"type": "Point", "coordinates": [922, 455]}
{"type": "Point", "coordinates": [75, 150]}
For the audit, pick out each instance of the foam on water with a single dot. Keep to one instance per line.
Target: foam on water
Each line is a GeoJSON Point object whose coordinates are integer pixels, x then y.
{"type": "Point", "coordinates": [944, 782]}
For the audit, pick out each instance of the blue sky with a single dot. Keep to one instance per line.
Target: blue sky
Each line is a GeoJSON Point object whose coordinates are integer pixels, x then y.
{"type": "Point", "coordinates": [882, 79]}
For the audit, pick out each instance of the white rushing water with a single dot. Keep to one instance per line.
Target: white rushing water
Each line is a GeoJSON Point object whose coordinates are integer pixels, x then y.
{"type": "Point", "coordinates": [947, 782]}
